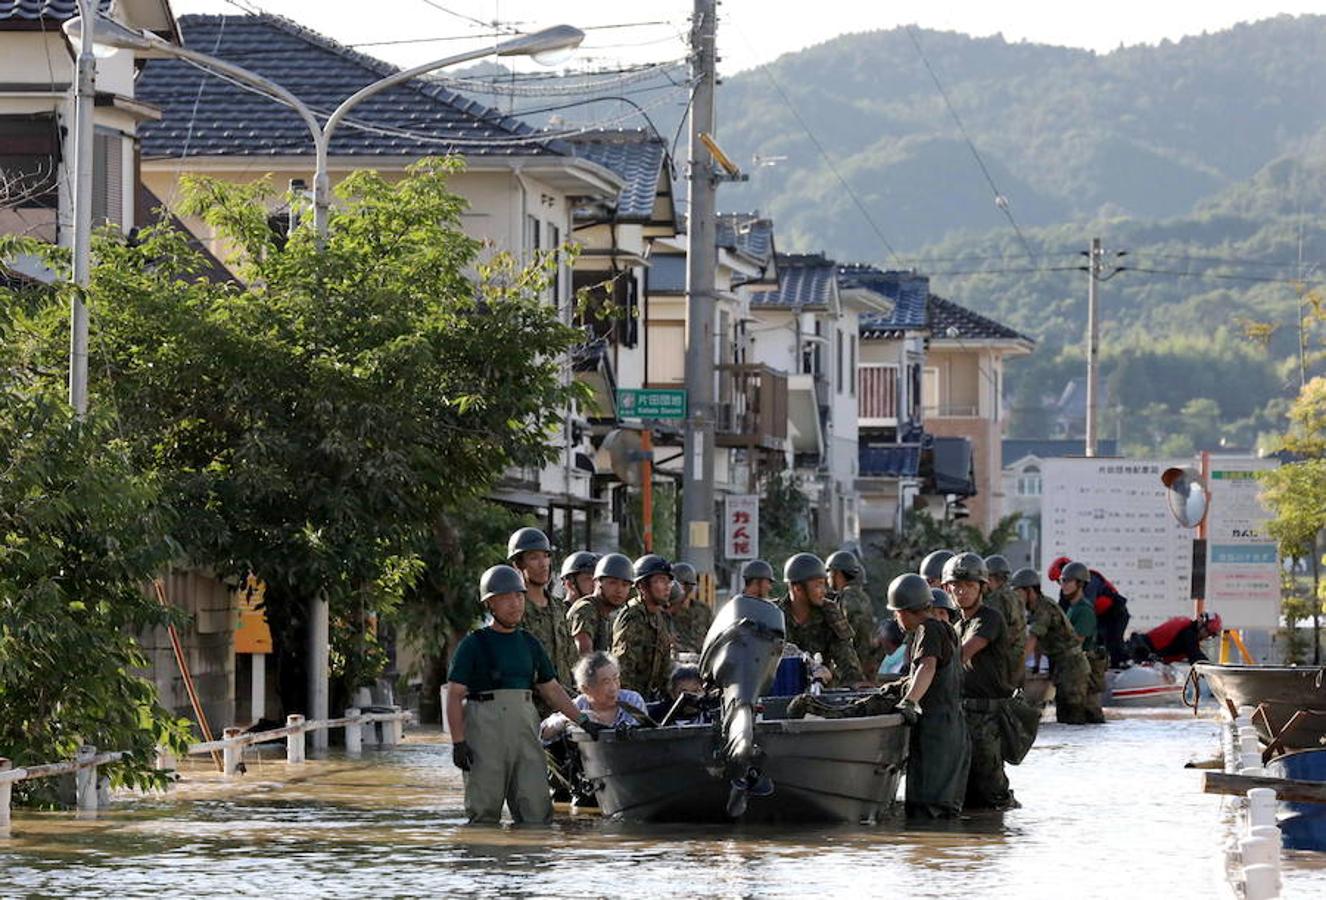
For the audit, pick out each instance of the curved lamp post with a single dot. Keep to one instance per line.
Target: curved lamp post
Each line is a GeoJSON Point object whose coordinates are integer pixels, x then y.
{"type": "Point", "coordinates": [548, 47]}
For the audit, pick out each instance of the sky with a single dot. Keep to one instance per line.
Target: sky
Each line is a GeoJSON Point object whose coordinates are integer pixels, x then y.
{"type": "Point", "coordinates": [751, 32]}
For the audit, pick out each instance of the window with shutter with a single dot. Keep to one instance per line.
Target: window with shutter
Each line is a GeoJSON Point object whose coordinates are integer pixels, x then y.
{"type": "Point", "coordinates": [107, 179]}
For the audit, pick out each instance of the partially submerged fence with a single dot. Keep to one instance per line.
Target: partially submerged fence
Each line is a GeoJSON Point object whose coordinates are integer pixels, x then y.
{"type": "Point", "coordinates": [383, 729]}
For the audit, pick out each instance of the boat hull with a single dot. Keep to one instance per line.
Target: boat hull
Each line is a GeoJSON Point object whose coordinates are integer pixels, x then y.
{"type": "Point", "coordinates": [823, 770]}
{"type": "Point", "coordinates": [1143, 685]}
{"type": "Point", "coordinates": [1280, 692]}
{"type": "Point", "coordinates": [1302, 825]}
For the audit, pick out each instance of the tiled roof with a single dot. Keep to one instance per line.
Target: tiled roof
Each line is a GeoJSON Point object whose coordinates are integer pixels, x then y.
{"type": "Point", "coordinates": [205, 115]}
{"type": "Point", "coordinates": [804, 279]}
{"type": "Point", "coordinates": [899, 461]}
{"type": "Point", "coordinates": [948, 320]}
{"type": "Point", "coordinates": [50, 10]}
{"type": "Point", "coordinates": [638, 157]}
{"type": "Point", "coordinates": [1018, 448]}
{"type": "Point", "coordinates": [746, 233]}
{"type": "Point", "coordinates": [907, 290]}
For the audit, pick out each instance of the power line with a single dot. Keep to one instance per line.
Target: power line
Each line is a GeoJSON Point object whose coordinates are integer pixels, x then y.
{"type": "Point", "coordinates": [469, 37]}
{"type": "Point", "coordinates": [1221, 260]}
{"type": "Point", "coordinates": [1220, 276]}
{"type": "Point", "coordinates": [856, 201]}
{"type": "Point", "coordinates": [465, 18]}
{"type": "Point", "coordinates": [1001, 201]}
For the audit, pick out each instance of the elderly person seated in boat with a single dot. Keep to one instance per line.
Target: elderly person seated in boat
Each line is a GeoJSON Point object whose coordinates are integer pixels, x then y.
{"type": "Point", "coordinates": [601, 696]}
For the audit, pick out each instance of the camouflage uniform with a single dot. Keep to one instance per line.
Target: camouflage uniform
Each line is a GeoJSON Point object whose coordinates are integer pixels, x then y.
{"type": "Point", "coordinates": [1054, 638]}
{"type": "Point", "coordinates": [642, 643]}
{"type": "Point", "coordinates": [1013, 645]}
{"type": "Point", "coordinates": [548, 624]}
{"type": "Point", "coordinates": [855, 602]}
{"type": "Point", "coordinates": [690, 624]}
{"type": "Point", "coordinates": [827, 633]}
{"type": "Point", "coordinates": [587, 616]}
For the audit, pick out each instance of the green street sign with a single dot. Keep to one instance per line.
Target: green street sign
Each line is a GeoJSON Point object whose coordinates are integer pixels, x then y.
{"type": "Point", "coordinates": [651, 403]}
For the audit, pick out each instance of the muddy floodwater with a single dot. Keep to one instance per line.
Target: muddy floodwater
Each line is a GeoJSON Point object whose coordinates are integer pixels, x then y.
{"type": "Point", "coordinates": [1107, 811]}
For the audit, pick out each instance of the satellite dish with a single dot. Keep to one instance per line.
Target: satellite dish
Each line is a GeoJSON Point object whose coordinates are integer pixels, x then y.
{"type": "Point", "coordinates": [623, 448]}
{"type": "Point", "coordinates": [1188, 495]}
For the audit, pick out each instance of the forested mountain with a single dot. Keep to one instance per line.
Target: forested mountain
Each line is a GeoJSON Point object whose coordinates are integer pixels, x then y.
{"type": "Point", "coordinates": [1205, 159]}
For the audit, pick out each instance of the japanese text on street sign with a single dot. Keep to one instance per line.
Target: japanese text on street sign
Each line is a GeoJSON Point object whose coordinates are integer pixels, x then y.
{"type": "Point", "coordinates": [741, 533]}
{"type": "Point", "coordinates": [1242, 562]}
{"type": "Point", "coordinates": [651, 403]}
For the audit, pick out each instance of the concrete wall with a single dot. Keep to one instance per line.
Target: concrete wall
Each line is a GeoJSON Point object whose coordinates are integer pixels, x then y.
{"type": "Point", "coordinates": [208, 640]}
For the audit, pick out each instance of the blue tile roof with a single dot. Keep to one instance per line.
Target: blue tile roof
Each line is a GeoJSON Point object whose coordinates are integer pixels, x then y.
{"type": "Point", "coordinates": [746, 233]}
{"type": "Point", "coordinates": [1016, 448]}
{"type": "Point", "coordinates": [889, 461]}
{"type": "Point", "coordinates": [804, 279]}
{"type": "Point", "coordinates": [50, 10]}
{"type": "Point", "coordinates": [907, 290]}
{"type": "Point", "coordinates": [638, 157]}
{"type": "Point", "coordinates": [948, 320]}
{"type": "Point", "coordinates": [205, 115]}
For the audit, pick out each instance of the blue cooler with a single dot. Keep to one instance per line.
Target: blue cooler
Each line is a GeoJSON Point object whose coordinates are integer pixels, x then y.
{"type": "Point", "coordinates": [791, 678]}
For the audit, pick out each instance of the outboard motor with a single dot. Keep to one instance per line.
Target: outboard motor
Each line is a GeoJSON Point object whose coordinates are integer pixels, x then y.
{"type": "Point", "coordinates": [740, 655]}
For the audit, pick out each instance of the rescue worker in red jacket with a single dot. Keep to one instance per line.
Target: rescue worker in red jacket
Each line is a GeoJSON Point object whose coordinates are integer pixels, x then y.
{"type": "Point", "coordinates": [1111, 608]}
{"type": "Point", "coordinates": [1175, 640]}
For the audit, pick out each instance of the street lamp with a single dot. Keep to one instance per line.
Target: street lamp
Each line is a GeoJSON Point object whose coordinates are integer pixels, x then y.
{"type": "Point", "coordinates": [547, 47]}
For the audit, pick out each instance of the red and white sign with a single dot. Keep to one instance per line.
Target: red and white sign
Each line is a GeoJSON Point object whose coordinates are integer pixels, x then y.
{"type": "Point", "coordinates": [741, 526]}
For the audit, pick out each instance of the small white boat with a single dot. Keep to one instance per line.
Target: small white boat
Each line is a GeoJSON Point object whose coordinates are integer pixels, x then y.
{"type": "Point", "coordinates": [1144, 684]}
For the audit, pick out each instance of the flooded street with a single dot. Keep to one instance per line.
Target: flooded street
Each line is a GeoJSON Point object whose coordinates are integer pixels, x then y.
{"type": "Point", "coordinates": [1107, 812]}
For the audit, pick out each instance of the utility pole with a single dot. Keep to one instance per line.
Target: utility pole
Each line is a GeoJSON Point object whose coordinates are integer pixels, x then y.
{"type": "Point", "coordinates": [1093, 343]}
{"type": "Point", "coordinates": [85, 96]}
{"type": "Point", "coordinates": [697, 539]}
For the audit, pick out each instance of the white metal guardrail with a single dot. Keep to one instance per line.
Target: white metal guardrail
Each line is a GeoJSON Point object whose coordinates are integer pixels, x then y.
{"type": "Point", "coordinates": [384, 729]}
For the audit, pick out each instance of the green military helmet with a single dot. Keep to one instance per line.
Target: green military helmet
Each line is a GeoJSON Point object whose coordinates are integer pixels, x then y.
{"type": "Point", "coordinates": [1025, 578]}
{"type": "Point", "coordinates": [675, 593]}
{"type": "Point", "coordinates": [1076, 571]}
{"type": "Point", "coordinates": [756, 568]}
{"type": "Point", "coordinates": [651, 564]}
{"type": "Point", "coordinates": [940, 598]}
{"type": "Point", "coordinates": [523, 539]}
{"type": "Point", "coordinates": [965, 567]}
{"type": "Point", "coordinates": [909, 592]}
{"type": "Point", "coordinates": [932, 567]}
{"type": "Point", "coordinates": [803, 567]}
{"type": "Point", "coordinates": [580, 561]}
{"type": "Point", "coordinates": [844, 561]}
{"type": "Point", "coordinates": [998, 565]}
{"type": "Point", "coordinates": [684, 572]}
{"type": "Point", "coordinates": [500, 580]}
{"type": "Point", "coordinates": [614, 565]}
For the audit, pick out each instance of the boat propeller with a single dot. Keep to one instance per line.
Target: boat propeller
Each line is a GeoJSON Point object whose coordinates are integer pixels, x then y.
{"type": "Point", "coordinates": [753, 784]}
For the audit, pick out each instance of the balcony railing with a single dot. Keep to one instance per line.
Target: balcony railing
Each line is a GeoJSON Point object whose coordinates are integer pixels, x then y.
{"type": "Point", "coordinates": [752, 408]}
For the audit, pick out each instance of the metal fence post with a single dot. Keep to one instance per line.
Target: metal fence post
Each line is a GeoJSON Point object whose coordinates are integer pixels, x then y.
{"type": "Point", "coordinates": [354, 734]}
{"type": "Point", "coordinates": [5, 790]}
{"type": "Point", "coordinates": [85, 780]}
{"type": "Point", "coordinates": [294, 742]}
{"type": "Point", "coordinates": [231, 753]}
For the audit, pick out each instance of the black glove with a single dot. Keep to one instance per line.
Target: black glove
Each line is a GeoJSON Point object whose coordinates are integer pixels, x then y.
{"type": "Point", "coordinates": [462, 757]}
{"type": "Point", "coordinates": [909, 711]}
{"type": "Point", "coordinates": [592, 728]}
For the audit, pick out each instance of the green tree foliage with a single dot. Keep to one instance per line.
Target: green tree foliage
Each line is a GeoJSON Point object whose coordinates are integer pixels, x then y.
{"type": "Point", "coordinates": [784, 519]}
{"type": "Point", "coordinates": [315, 425]}
{"type": "Point", "coordinates": [82, 533]}
{"type": "Point", "coordinates": [922, 533]}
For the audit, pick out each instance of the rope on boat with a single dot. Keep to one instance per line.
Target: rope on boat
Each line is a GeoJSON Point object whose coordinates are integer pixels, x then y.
{"type": "Point", "coordinates": [1192, 681]}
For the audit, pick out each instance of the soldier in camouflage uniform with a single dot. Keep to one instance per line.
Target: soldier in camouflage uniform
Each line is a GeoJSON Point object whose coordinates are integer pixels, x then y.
{"type": "Point", "coordinates": [1051, 634]}
{"type": "Point", "coordinates": [641, 636]}
{"type": "Point", "coordinates": [846, 579]}
{"type": "Point", "coordinates": [530, 553]}
{"type": "Point", "coordinates": [590, 619]}
{"type": "Point", "coordinates": [1000, 596]}
{"type": "Point", "coordinates": [690, 616]}
{"type": "Point", "coordinates": [814, 622]}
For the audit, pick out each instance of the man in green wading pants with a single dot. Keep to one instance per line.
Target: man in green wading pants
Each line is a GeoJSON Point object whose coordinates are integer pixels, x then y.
{"type": "Point", "coordinates": [985, 686]}
{"type": "Point", "coordinates": [490, 709]}
{"type": "Point", "coordinates": [1082, 616]}
{"type": "Point", "coordinates": [939, 754]}
{"type": "Point", "coordinates": [1052, 635]}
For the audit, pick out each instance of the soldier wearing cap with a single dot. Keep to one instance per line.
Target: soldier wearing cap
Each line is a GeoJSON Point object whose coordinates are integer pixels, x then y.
{"type": "Point", "coordinates": [1000, 596]}
{"type": "Point", "coordinates": [1051, 634]}
{"type": "Point", "coordinates": [590, 618]}
{"type": "Point", "coordinates": [494, 674]}
{"type": "Point", "coordinates": [578, 576]}
{"type": "Point", "coordinates": [938, 756]}
{"type": "Point", "coordinates": [691, 617]}
{"type": "Point", "coordinates": [529, 552]}
{"type": "Point", "coordinates": [757, 578]}
{"type": "Point", "coordinates": [641, 636]}
{"type": "Point", "coordinates": [1073, 580]}
{"type": "Point", "coordinates": [985, 683]}
{"type": "Point", "coordinates": [846, 582]}
{"type": "Point", "coordinates": [814, 622]}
